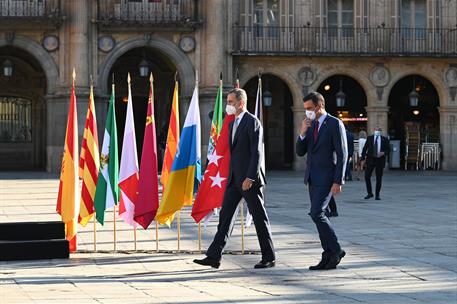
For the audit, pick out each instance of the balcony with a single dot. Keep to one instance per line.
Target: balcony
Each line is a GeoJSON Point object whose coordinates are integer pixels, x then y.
{"type": "Point", "coordinates": [164, 14]}
{"type": "Point", "coordinates": [30, 13]}
{"type": "Point", "coordinates": [326, 41]}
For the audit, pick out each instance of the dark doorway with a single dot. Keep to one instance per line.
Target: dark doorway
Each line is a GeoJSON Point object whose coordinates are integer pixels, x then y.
{"type": "Point", "coordinates": [164, 75]}
{"type": "Point", "coordinates": [278, 121]}
{"type": "Point", "coordinates": [22, 111]}
{"type": "Point", "coordinates": [353, 112]}
{"type": "Point", "coordinates": [413, 125]}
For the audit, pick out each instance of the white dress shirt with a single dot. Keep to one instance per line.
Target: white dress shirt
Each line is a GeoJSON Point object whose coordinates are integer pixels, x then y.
{"type": "Point", "coordinates": [321, 121]}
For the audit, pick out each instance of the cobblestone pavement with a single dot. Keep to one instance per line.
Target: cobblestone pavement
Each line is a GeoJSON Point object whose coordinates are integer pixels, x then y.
{"type": "Point", "coordinates": [402, 249]}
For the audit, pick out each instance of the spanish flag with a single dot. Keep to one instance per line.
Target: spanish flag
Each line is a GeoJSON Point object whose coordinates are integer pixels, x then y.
{"type": "Point", "coordinates": [89, 163]}
{"type": "Point", "coordinates": [68, 198]}
{"type": "Point", "coordinates": [185, 174]}
{"type": "Point", "coordinates": [172, 139]}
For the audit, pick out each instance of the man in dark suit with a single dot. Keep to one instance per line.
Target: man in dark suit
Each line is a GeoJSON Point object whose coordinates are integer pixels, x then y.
{"type": "Point", "coordinates": [246, 180]}
{"type": "Point", "coordinates": [350, 141]}
{"type": "Point", "coordinates": [374, 152]}
{"type": "Point", "coordinates": [323, 139]}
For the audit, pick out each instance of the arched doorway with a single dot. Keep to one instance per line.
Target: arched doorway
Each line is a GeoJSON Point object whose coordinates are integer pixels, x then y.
{"type": "Point", "coordinates": [278, 121]}
{"type": "Point", "coordinates": [164, 75]}
{"type": "Point", "coordinates": [352, 112]}
{"type": "Point", "coordinates": [412, 124]}
{"type": "Point", "coordinates": [22, 111]}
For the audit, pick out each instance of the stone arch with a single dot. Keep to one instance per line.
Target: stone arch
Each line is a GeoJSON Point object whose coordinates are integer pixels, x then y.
{"type": "Point", "coordinates": [291, 82]}
{"type": "Point", "coordinates": [180, 60]}
{"type": "Point", "coordinates": [440, 87]}
{"type": "Point", "coordinates": [35, 50]}
{"type": "Point", "coordinates": [356, 75]}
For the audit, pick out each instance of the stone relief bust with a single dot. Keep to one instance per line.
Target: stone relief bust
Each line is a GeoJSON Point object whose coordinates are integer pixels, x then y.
{"type": "Point", "coordinates": [451, 77]}
{"type": "Point", "coordinates": [306, 76]}
{"type": "Point", "coordinates": [380, 76]}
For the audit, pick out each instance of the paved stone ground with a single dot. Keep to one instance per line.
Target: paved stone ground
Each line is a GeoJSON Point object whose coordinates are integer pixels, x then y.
{"type": "Point", "coordinates": [402, 249]}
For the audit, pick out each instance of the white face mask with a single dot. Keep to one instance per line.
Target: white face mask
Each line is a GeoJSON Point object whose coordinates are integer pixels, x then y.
{"type": "Point", "coordinates": [230, 110]}
{"type": "Point", "coordinates": [377, 133]}
{"type": "Point", "coordinates": [310, 114]}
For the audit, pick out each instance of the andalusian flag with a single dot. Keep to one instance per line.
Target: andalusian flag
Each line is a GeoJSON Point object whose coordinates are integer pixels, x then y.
{"type": "Point", "coordinates": [68, 198]}
{"type": "Point", "coordinates": [185, 174]}
{"type": "Point", "coordinates": [172, 138]}
{"type": "Point", "coordinates": [128, 174]}
{"type": "Point", "coordinates": [148, 186]}
{"type": "Point", "coordinates": [216, 124]}
{"type": "Point", "coordinates": [89, 163]}
{"type": "Point", "coordinates": [107, 193]}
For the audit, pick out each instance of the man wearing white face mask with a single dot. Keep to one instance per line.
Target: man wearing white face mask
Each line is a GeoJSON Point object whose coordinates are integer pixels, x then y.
{"type": "Point", "coordinates": [374, 152]}
{"type": "Point", "coordinates": [323, 140]}
{"type": "Point", "coordinates": [246, 180]}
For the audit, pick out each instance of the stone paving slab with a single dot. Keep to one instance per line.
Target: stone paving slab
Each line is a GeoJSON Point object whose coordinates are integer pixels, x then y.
{"type": "Point", "coordinates": [402, 250]}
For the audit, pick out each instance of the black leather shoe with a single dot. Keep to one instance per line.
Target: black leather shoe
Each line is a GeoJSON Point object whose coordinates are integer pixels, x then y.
{"type": "Point", "coordinates": [333, 214]}
{"type": "Point", "coordinates": [334, 260]}
{"type": "Point", "coordinates": [322, 263]}
{"type": "Point", "coordinates": [378, 198]}
{"type": "Point", "coordinates": [208, 262]}
{"type": "Point", "coordinates": [265, 264]}
{"type": "Point", "coordinates": [369, 196]}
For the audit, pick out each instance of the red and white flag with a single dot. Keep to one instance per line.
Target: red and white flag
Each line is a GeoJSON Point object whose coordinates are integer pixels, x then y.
{"type": "Point", "coordinates": [128, 173]}
{"type": "Point", "coordinates": [211, 192]}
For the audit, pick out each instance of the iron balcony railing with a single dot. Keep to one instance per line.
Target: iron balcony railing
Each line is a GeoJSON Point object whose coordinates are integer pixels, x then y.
{"type": "Point", "coordinates": [329, 41]}
{"type": "Point", "coordinates": [148, 12]}
{"type": "Point", "coordinates": [30, 9]}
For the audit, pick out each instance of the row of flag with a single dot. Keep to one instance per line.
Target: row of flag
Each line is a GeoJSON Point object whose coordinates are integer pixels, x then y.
{"type": "Point", "coordinates": [107, 182]}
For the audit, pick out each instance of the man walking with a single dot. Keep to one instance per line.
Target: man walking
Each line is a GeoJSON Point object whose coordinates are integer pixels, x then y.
{"type": "Point", "coordinates": [323, 139]}
{"type": "Point", "coordinates": [374, 152]}
{"type": "Point", "coordinates": [246, 180]}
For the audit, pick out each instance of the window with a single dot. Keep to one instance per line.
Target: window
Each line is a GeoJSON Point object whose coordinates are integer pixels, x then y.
{"type": "Point", "coordinates": [266, 14]}
{"type": "Point", "coordinates": [340, 17]}
{"type": "Point", "coordinates": [15, 120]}
{"type": "Point", "coordinates": [414, 18]}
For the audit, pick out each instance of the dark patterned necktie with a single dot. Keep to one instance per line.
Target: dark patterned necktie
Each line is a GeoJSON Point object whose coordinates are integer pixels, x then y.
{"type": "Point", "coordinates": [316, 130]}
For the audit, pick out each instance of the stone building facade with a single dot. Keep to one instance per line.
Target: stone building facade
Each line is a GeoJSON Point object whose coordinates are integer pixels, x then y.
{"type": "Point", "coordinates": [374, 51]}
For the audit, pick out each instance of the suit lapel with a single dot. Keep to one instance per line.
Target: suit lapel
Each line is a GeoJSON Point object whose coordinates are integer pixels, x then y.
{"type": "Point", "coordinates": [241, 126]}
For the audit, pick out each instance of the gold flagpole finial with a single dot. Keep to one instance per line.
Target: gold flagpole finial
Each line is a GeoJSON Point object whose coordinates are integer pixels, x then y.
{"type": "Point", "coordinates": [91, 81]}
{"type": "Point", "coordinates": [176, 76]}
{"type": "Point", "coordinates": [196, 76]}
{"type": "Point", "coordinates": [151, 78]}
{"type": "Point", "coordinates": [74, 75]}
{"type": "Point", "coordinates": [128, 78]}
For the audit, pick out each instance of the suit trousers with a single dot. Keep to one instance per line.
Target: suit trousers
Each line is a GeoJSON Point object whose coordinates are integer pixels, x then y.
{"type": "Point", "coordinates": [320, 197]}
{"type": "Point", "coordinates": [254, 200]}
{"type": "Point", "coordinates": [376, 164]}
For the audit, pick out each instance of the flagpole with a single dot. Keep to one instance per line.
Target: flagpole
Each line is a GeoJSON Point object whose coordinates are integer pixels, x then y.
{"type": "Point", "coordinates": [157, 236]}
{"type": "Point", "coordinates": [199, 237]}
{"type": "Point", "coordinates": [242, 226]}
{"type": "Point", "coordinates": [114, 223]}
{"type": "Point", "coordinates": [179, 230]}
{"type": "Point", "coordinates": [134, 238]}
{"type": "Point", "coordinates": [95, 233]}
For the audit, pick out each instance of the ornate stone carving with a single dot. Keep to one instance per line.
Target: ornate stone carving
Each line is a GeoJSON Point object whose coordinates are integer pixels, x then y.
{"type": "Point", "coordinates": [450, 76]}
{"type": "Point", "coordinates": [306, 76]}
{"type": "Point", "coordinates": [380, 76]}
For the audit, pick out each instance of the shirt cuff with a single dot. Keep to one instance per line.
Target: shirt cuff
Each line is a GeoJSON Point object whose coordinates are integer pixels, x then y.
{"type": "Point", "coordinates": [301, 137]}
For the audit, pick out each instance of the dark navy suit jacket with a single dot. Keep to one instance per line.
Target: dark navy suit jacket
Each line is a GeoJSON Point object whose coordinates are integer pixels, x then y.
{"type": "Point", "coordinates": [326, 158]}
{"type": "Point", "coordinates": [246, 151]}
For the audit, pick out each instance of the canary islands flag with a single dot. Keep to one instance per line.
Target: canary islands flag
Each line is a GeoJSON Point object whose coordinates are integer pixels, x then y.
{"type": "Point", "coordinates": [185, 174]}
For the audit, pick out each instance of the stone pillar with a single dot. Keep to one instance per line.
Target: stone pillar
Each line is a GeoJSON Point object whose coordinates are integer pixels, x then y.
{"type": "Point", "coordinates": [299, 115]}
{"type": "Point", "coordinates": [78, 23]}
{"type": "Point", "coordinates": [57, 115]}
{"type": "Point", "coordinates": [448, 137]}
{"type": "Point", "coordinates": [377, 116]}
{"type": "Point", "coordinates": [215, 61]}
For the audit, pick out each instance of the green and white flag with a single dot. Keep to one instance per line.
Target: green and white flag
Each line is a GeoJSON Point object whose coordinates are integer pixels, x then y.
{"type": "Point", "coordinates": [107, 192]}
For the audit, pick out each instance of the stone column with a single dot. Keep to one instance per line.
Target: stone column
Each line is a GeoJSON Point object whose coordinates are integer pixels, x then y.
{"type": "Point", "coordinates": [377, 116]}
{"type": "Point", "coordinates": [299, 115]}
{"type": "Point", "coordinates": [214, 58]}
{"type": "Point", "coordinates": [448, 137]}
{"type": "Point", "coordinates": [78, 22]}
